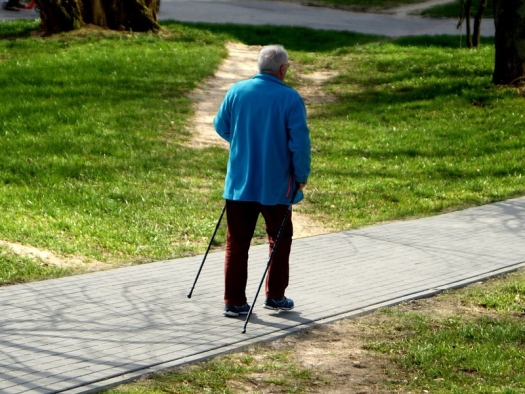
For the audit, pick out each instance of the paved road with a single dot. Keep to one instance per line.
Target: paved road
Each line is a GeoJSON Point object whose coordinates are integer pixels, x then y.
{"type": "Point", "coordinates": [288, 14]}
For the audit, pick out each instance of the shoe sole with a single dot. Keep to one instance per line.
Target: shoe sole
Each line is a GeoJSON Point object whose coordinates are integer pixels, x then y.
{"type": "Point", "coordinates": [233, 314]}
{"type": "Point", "coordinates": [277, 308]}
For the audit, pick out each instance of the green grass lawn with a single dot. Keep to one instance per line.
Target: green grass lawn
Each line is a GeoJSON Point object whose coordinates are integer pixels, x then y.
{"type": "Point", "coordinates": [94, 160]}
{"type": "Point", "coordinates": [462, 353]}
{"type": "Point", "coordinates": [418, 130]}
{"type": "Point", "coordinates": [452, 10]}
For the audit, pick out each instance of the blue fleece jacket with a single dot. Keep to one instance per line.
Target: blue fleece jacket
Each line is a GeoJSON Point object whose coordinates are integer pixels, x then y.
{"type": "Point", "coordinates": [264, 120]}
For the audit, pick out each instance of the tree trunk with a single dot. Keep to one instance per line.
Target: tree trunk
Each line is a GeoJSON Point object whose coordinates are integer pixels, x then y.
{"type": "Point", "coordinates": [465, 16]}
{"type": "Point", "coordinates": [65, 15]}
{"type": "Point", "coordinates": [57, 15]}
{"type": "Point", "coordinates": [476, 38]}
{"type": "Point", "coordinates": [509, 20]}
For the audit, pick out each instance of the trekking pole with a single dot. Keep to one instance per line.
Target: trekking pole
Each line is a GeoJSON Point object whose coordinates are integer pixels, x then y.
{"type": "Point", "coordinates": [277, 238]}
{"type": "Point", "coordinates": [207, 250]}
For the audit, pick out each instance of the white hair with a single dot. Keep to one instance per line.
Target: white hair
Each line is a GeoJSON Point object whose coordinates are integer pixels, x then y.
{"type": "Point", "coordinates": [271, 58]}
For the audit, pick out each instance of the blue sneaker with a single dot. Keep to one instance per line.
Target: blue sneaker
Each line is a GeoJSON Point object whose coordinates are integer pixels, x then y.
{"type": "Point", "coordinates": [234, 311]}
{"type": "Point", "coordinates": [279, 304]}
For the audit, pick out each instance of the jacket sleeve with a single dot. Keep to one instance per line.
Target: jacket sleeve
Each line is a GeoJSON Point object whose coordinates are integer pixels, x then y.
{"type": "Point", "coordinates": [222, 121]}
{"type": "Point", "coordinates": [299, 141]}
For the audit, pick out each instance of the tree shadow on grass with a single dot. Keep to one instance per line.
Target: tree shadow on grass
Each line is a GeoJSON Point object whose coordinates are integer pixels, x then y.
{"type": "Point", "coordinates": [291, 37]}
{"type": "Point", "coordinates": [442, 41]}
{"type": "Point", "coordinates": [307, 39]}
{"type": "Point", "coordinates": [18, 29]}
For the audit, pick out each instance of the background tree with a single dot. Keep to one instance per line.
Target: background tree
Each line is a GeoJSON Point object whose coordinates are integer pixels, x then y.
{"type": "Point", "coordinates": [509, 20]}
{"type": "Point", "coordinates": [65, 15]}
{"type": "Point", "coordinates": [474, 39]}
{"type": "Point", "coordinates": [476, 36]}
{"type": "Point", "coordinates": [464, 16]}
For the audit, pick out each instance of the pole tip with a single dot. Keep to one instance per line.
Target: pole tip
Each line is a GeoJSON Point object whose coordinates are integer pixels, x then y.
{"type": "Point", "coordinates": [189, 296]}
{"type": "Point", "coordinates": [244, 331]}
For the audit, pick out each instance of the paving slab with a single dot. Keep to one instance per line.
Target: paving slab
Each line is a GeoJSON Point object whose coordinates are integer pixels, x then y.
{"type": "Point", "coordinates": [83, 333]}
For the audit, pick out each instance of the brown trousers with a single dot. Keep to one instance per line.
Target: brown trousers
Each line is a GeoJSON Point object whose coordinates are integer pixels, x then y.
{"type": "Point", "coordinates": [242, 217]}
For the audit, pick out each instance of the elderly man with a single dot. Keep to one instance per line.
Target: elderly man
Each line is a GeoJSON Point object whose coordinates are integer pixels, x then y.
{"type": "Point", "coordinates": [264, 120]}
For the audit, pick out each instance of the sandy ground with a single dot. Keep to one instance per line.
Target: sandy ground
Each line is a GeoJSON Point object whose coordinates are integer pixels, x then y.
{"type": "Point", "coordinates": [48, 258]}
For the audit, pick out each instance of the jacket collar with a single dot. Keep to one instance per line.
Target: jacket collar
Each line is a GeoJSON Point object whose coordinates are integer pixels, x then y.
{"type": "Point", "coordinates": [269, 77]}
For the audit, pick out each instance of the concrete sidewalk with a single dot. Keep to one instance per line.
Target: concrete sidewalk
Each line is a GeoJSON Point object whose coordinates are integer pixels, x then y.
{"type": "Point", "coordinates": [83, 333]}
